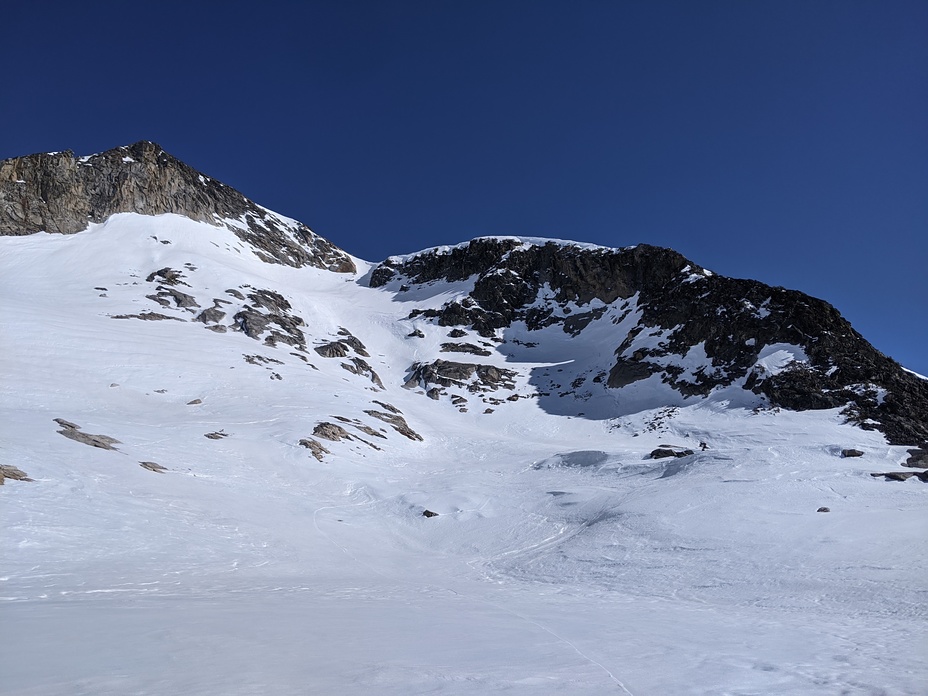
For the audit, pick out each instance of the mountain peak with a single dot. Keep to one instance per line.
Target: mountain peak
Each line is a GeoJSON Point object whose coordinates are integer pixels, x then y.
{"type": "Point", "coordinates": [60, 193]}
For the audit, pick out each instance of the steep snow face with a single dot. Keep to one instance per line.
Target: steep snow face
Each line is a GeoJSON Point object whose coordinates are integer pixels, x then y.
{"type": "Point", "coordinates": [230, 479]}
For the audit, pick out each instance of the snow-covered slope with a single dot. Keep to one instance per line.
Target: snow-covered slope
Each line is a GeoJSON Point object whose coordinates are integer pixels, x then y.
{"type": "Point", "coordinates": [564, 557]}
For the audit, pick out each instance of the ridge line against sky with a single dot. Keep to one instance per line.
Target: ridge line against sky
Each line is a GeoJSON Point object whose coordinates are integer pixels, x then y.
{"type": "Point", "coordinates": [784, 141]}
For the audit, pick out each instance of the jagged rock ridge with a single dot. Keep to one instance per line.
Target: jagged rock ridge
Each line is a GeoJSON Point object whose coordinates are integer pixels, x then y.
{"type": "Point", "coordinates": [683, 310]}
{"type": "Point", "coordinates": [58, 192]}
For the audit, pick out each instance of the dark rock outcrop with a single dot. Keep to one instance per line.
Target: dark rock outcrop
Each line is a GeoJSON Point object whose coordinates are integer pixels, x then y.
{"type": "Point", "coordinates": [397, 422]}
{"type": "Point", "coordinates": [674, 314]}
{"type": "Point", "coordinates": [58, 192]}
{"type": "Point", "coordinates": [474, 378]}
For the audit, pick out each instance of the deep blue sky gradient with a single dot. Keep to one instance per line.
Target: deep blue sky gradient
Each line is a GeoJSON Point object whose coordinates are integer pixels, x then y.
{"type": "Point", "coordinates": [784, 141]}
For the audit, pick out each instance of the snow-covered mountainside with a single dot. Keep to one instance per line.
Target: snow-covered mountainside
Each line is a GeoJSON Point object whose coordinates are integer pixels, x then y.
{"type": "Point", "coordinates": [640, 477]}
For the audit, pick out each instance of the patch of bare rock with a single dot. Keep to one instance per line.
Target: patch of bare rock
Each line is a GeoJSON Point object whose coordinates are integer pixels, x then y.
{"type": "Point", "coordinates": [152, 466]}
{"type": "Point", "coordinates": [315, 447]}
{"type": "Point", "coordinates": [665, 451]}
{"type": "Point", "coordinates": [398, 422]}
{"type": "Point", "coordinates": [72, 431]}
{"type": "Point", "coordinates": [12, 473]}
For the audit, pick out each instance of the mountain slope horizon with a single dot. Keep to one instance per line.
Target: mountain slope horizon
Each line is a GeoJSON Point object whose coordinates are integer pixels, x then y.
{"type": "Point", "coordinates": [697, 331]}
{"type": "Point", "coordinates": [239, 460]}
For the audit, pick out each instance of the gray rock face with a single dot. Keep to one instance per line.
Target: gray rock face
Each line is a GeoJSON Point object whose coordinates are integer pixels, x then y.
{"type": "Point", "coordinates": [58, 192]}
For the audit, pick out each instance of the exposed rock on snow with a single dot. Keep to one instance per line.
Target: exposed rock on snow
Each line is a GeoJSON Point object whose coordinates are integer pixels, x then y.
{"type": "Point", "coordinates": [314, 446]}
{"type": "Point", "coordinates": [475, 378]}
{"type": "Point", "coordinates": [276, 320]}
{"type": "Point", "coordinates": [464, 348]}
{"type": "Point", "coordinates": [147, 316]}
{"type": "Point", "coordinates": [903, 475]}
{"type": "Point", "coordinates": [358, 366]}
{"type": "Point", "coordinates": [330, 431]}
{"type": "Point", "coordinates": [851, 453]}
{"type": "Point", "coordinates": [664, 451]}
{"type": "Point", "coordinates": [72, 431]}
{"type": "Point", "coordinates": [333, 349]}
{"type": "Point", "coordinates": [12, 473]}
{"type": "Point", "coordinates": [152, 466]}
{"type": "Point", "coordinates": [397, 422]}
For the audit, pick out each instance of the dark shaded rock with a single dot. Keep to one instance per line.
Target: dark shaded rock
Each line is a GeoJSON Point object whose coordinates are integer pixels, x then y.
{"type": "Point", "coordinates": [59, 193]}
{"type": "Point", "coordinates": [918, 458]}
{"type": "Point", "coordinates": [900, 475]}
{"type": "Point", "coordinates": [457, 333]}
{"type": "Point", "coordinates": [276, 320]}
{"type": "Point", "coordinates": [167, 276]}
{"type": "Point", "coordinates": [415, 334]}
{"type": "Point", "coordinates": [464, 348]}
{"type": "Point", "coordinates": [475, 378]}
{"type": "Point", "coordinates": [261, 360]}
{"type": "Point", "coordinates": [434, 393]}
{"type": "Point", "coordinates": [315, 447]}
{"type": "Point", "coordinates": [348, 339]}
{"type": "Point", "coordinates": [397, 422]}
{"type": "Point", "coordinates": [358, 366]}
{"type": "Point", "coordinates": [330, 431]}
{"type": "Point", "coordinates": [823, 509]}
{"type": "Point", "coordinates": [679, 306]}
{"type": "Point", "coordinates": [390, 407]}
{"type": "Point", "coordinates": [429, 513]}
{"type": "Point", "coordinates": [212, 315]}
{"type": "Point", "coordinates": [218, 435]}
{"type": "Point", "coordinates": [194, 402]}
{"type": "Point", "coordinates": [851, 453]}
{"type": "Point", "coordinates": [335, 349]}
{"type": "Point", "coordinates": [147, 316]}
{"type": "Point", "coordinates": [236, 294]}
{"type": "Point", "coordinates": [181, 299]}
{"type": "Point", "coordinates": [12, 473]}
{"type": "Point", "coordinates": [663, 452]}
{"type": "Point", "coordinates": [152, 466]}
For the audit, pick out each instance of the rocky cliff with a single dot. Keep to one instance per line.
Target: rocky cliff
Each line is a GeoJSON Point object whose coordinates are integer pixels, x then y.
{"type": "Point", "coordinates": [58, 192]}
{"type": "Point", "coordinates": [675, 321]}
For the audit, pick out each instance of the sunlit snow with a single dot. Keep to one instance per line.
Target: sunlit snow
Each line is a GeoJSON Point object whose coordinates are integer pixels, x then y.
{"type": "Point", "coordinates": [563, 559]}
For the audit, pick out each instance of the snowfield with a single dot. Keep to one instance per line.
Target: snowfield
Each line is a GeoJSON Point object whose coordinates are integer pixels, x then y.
{"type": "Point", "coordinates": [563, 559]}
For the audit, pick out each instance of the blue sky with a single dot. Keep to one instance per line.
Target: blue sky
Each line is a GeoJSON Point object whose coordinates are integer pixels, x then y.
{"type": "Point", "coordinates": [782, 141]}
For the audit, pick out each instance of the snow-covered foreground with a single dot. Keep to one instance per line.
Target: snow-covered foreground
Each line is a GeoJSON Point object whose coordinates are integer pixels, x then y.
{"type": "Point", "coordinates": [563, 559]}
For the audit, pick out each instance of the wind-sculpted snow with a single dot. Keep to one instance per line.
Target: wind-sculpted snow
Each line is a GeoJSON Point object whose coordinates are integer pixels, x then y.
{"type": "Point", "coordinates": [255, 521]}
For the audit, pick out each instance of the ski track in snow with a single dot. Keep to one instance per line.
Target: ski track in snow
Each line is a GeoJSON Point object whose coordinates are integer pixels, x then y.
{"type": "Point", "coordinates": [563, 559]}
